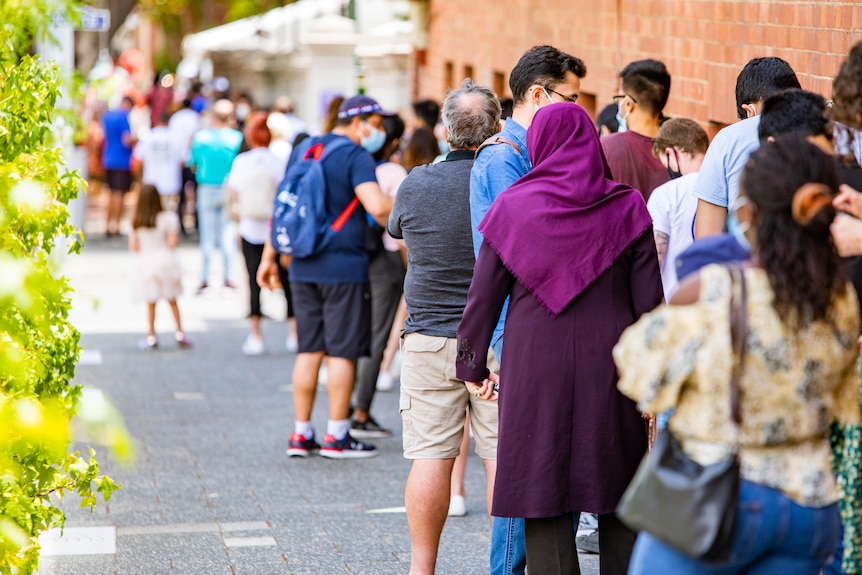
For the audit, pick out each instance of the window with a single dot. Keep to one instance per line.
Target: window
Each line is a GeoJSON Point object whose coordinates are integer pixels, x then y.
{"type": "Point", "coordinates": [449, 75]}
{"type": "Point", "coordinates": [499, 86]}
{"type": "Point", "coordinates": [468, 72]}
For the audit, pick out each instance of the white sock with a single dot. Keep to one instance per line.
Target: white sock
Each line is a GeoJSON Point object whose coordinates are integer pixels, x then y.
{"type": "Point", "coordinates": [338, 428]}
{"type": "Point", "coordinates": [304, 429]}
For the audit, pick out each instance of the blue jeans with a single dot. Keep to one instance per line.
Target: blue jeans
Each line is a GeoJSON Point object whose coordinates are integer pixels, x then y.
{"type": "Point", "coordinates": [214, 223]}
{"type": "Point", "coordinates": [773, 535]}
{"type": "Point", "coordinates": [835, 566]}
{"type": "Point", "coordinates": [508, 552]}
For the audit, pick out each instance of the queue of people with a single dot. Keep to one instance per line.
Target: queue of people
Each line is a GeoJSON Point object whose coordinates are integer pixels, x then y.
{"type": "Point", "coordinates": [566, 288]}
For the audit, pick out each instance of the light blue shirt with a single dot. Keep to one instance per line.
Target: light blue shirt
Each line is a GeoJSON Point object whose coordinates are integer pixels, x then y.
{"type": "Point", "coordinates": [718, 179]}
{"type": "Point", "coordinates": [212, 153]}
{"type": "Point", "coordinates": [497, 167]}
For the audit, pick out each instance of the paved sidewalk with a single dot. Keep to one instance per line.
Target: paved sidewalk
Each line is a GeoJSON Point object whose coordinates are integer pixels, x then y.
{"type": "Point", "coordinates": [212, 491]}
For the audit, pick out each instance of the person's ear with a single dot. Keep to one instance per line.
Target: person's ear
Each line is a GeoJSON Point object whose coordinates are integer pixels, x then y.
{"type": "Point", "coordinates": [537, 94]}
{"type": "Point", "coordinates": [770, 138]}
{"type": "Point", "coordinates": [750, 110]}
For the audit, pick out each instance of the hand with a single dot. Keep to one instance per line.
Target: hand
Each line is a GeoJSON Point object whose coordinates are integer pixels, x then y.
{"type": "Point", "coordinates": [847, 235]}
{"type": "Point", "coordinates": [267, 273]}
{"type": "Point", "coordinates": [484, 390]}
{"type": "Point", "coordinates": [848, 200]}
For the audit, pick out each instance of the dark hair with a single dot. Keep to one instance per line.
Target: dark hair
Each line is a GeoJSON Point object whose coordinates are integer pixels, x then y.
{"type": "Point", "coordinates": [648, 82]}
{"type": "Point", "coordinates": [608, 117]}
{"type": "Point", "coordinates": [682, 133]}
{"type": "Point", "coordinates": [544, 65]}
{"type": "Point", "coordinates": [761, 78]}
{"type": "Point", "coordinates": [165, 117]}
{"type": "Point", "coordinates": [421, 149]}
{"type": "Point", "coordinates": [256, 132]}
{"type": "Point", "coordinates": [794, 111]}
{"type": "Point", "coordinates": [148, 207]}
{"type": "Point", "coordinates": [187, 102]}
{"type": "Point", "coordinates": [428, 111]}
{"type": "Point", "coordinates": [847, 90]}
{"type": "Point", "coordinates": [506, 107]}
{"type": "Point", "coordinates": [394, 128]}
{"type": "Point", "coordinates": [804, 269]}
{"type": "Point", "coordinates": [300, 137]}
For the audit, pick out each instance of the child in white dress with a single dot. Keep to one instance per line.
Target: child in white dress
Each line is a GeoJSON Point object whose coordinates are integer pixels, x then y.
{"type": "Point", "coordinates": [156, 273]}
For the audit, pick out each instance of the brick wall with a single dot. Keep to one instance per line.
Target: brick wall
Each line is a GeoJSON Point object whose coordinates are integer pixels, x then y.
{"type": "Point", "coordinates": [703, 43]}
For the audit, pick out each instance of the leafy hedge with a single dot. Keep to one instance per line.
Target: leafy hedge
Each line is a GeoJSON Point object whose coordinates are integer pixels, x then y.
{"type": "Point", "coordinates": [38, 346]}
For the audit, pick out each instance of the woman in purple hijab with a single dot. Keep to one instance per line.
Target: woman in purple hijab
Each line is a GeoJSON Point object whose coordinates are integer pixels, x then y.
{"type": "Point", "coordinates": [574, 251]}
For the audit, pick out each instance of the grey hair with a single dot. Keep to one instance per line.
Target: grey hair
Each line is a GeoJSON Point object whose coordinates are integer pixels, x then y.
{"type": "Point", "coordinates": [471, 115]}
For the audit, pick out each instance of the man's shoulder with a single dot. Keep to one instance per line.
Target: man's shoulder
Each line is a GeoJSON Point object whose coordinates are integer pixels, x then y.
{"type": "Point", "coordinates": [441, 173]}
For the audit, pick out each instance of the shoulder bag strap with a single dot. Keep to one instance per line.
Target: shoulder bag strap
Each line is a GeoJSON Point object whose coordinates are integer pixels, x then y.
{"type": "Point", "coordinates": [738, 336]}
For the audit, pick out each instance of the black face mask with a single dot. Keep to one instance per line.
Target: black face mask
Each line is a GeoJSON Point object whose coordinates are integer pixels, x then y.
{"type": "Point", "coordinates": [674, 174]}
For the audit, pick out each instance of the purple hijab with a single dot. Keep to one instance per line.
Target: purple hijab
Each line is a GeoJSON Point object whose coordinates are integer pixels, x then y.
{"type": "Point", "coordinates": [561, 226]}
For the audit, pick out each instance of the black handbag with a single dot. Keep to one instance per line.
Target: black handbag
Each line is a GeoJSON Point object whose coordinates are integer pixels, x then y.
{"type": "Point", "coordinates": [688, 506]}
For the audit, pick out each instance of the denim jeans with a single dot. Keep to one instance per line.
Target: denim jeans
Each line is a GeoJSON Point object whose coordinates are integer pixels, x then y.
{"type": "Point", "coordinates": [773, 535]}
{"type": "Point", "coordinates": [835, 566]}
{"type": "Point", "coordinates": [213, 223]}
{"type": "Point", "coordinates": [508, 552]}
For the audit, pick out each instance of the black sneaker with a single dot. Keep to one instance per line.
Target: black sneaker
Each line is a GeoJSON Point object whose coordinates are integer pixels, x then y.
{"type": "Point", "coordinates": [347, 448]}
{"type": "Point", "coordinates": [368, 429]}
{"type": "Point", "coordinates": [588, 543]}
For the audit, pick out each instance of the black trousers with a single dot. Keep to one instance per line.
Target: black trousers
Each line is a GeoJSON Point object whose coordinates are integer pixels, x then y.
{"type": "Point", "coordinates": [386, 274]}
{"type": "Point", "coordinates": [253, 253]}
{"type": "Point", "coordinates": [551, 548]}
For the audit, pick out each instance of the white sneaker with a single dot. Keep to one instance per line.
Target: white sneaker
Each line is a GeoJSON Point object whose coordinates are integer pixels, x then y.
{"type": "Point", "coordinates": [253, 345]}
{"type": "Point", "coordinates": [384, 381]}
{"type": "Point", "coordinates": [291, 345]}
{"type": "Point", "coordinates": [323, 374]}
{"type": "Point", "coordinates": [457, 506]}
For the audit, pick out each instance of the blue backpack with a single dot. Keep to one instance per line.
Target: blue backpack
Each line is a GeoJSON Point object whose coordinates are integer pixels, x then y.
{"type": "Point", "coordinates": [300, 226]}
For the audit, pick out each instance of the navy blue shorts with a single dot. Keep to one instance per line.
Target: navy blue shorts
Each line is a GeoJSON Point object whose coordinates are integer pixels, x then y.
{"type": "Point", "coordinates": [334, 318]}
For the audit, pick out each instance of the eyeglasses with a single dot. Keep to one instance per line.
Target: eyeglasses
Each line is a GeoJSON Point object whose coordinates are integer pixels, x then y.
{"type": "Point", "coordinates": [619, 97]}
{"type": "Point", "coordinates": [570, 99]}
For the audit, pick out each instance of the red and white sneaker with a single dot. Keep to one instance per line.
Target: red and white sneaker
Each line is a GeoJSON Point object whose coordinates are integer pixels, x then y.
{"type": "Point", "coordinates": [299, 446]}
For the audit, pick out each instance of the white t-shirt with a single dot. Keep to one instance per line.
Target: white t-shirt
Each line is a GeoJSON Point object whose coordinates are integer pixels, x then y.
{"type": "Point", "coordinates": [244, 171]}
{"type": "Point", "coordinates": [184, 123]}
{"type": "Point", "coordinates": [673, 206]}
{"type": "Point", "coordinates": [161, 155]}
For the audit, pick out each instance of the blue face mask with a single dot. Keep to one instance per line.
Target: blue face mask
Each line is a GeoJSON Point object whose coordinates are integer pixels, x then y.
{"type": "Point", "coordinates": [373, 142]}
{"type": "Point", "coordinates": [621, 121]}
{"type": "Point", "coordinates": [736, 229]}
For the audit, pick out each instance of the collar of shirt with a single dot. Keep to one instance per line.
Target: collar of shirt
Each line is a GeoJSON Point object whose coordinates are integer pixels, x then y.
{"type": "Point", "coordinates": [456, 155]}
{"type": "Point", "coordinates": [517, 133]}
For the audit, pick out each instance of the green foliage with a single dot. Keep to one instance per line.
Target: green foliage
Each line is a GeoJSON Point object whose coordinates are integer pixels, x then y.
{"type": "Point", "coordinates": [38, 346]}
{"type": "Point", "coordinates": [189, 16]}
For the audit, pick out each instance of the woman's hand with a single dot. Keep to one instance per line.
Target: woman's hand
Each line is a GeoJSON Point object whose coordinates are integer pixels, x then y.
{"type": "Point", "coordinates": [484, 390]}
{"type": "Point", "coordinates": [848, 200]}
{"type": "Point", "coordinates": [267, 271]}
{"type": "Point", "coordinates": [847, 235]}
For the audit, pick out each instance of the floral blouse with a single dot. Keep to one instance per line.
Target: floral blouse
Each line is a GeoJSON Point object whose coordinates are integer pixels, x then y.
{"type": "Point", "coordinates": [795, 383]}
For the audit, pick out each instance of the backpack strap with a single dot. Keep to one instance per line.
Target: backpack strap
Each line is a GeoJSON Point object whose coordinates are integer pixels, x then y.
{"type": "Point", "coordinates": [495, 140]}
{"type": "Point", "coordinates": [317, 151]}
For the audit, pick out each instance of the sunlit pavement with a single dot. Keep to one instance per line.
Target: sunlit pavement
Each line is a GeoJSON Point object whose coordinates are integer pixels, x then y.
{"type": "Point", "coordinates": [212, 490]}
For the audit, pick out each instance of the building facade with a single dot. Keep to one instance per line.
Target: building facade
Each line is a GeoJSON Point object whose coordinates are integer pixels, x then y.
{"type": "Point", "coordinates": [704, 44]}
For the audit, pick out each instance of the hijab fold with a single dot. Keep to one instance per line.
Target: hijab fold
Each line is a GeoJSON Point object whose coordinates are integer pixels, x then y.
{"type": "Point", "coordinates": [561, 226]}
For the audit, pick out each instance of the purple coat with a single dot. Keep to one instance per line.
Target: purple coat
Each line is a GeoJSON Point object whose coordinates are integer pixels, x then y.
{"type": "Point", "coordinates": [568, 440]}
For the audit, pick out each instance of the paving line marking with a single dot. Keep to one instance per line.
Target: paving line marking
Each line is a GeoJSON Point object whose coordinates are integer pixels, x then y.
{"type": "Point", "coordinates": [388, 510]}
{"type": "Point", "coordinates": [249, 541]}
{"type": "Point", "coordinates": [90, 357]}
{"type": "Point", "coordinates": [188, 396]}
{"type": "Point", "coordinates": [79, 541]}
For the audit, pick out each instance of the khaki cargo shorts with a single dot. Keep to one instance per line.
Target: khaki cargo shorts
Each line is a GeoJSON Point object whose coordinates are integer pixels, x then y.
{"type": "Point", "coordinates": [434, 402]}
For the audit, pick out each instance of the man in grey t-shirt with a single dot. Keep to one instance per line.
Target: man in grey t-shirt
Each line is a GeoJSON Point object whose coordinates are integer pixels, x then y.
{"type": "Point", "coordinates": [432, 215]}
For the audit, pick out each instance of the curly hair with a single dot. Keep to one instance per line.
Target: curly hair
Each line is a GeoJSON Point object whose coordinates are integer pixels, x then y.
{"type": "Point", "coordinates": [803, 267]}
{"type": "Point", "coordinates": [847, 90]}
